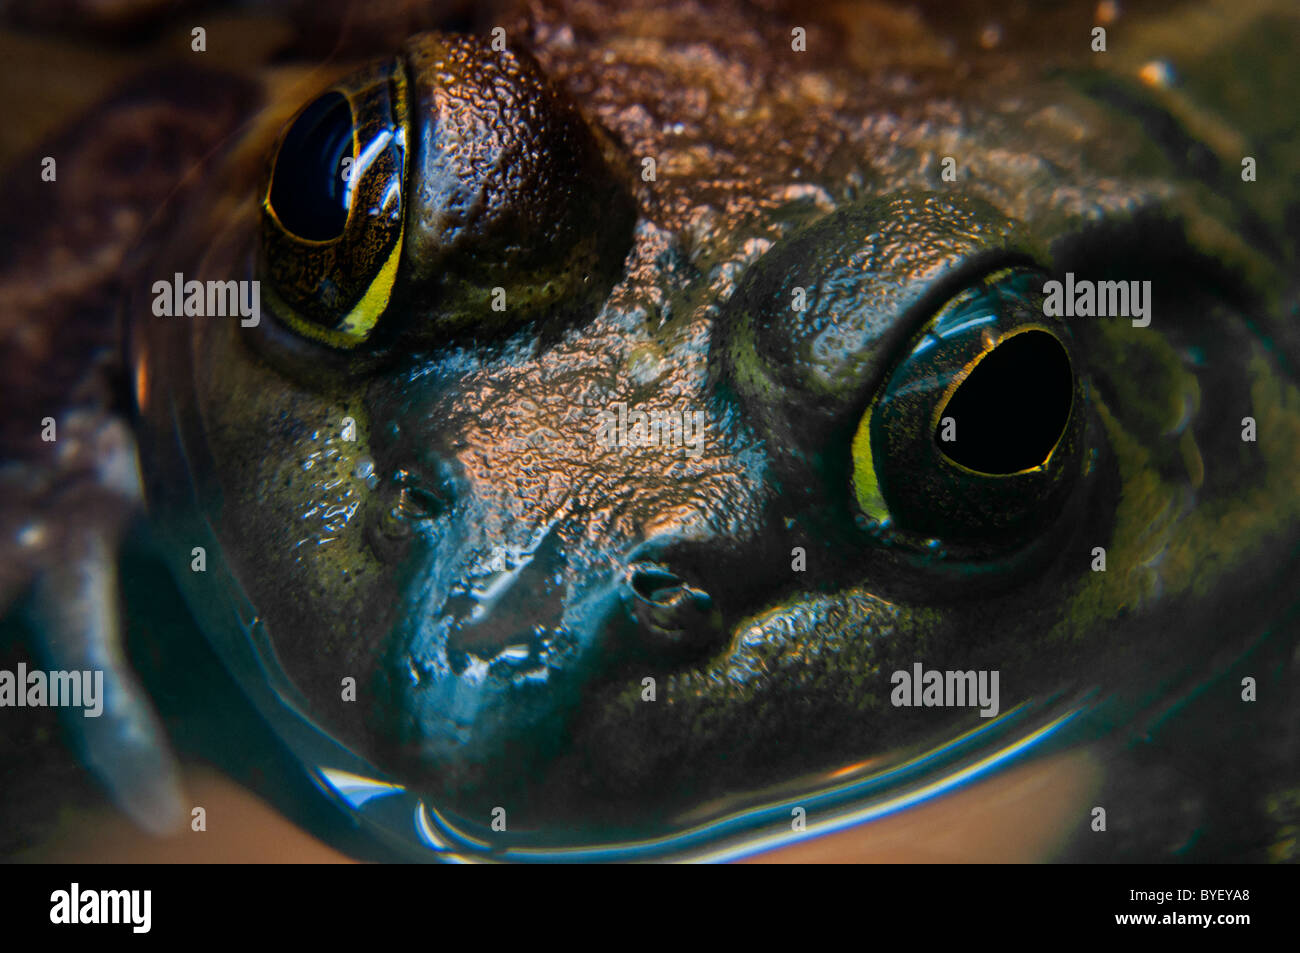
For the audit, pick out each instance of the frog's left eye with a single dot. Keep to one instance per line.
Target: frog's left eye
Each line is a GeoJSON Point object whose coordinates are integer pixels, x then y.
{"type": "Point", "coordinates": [332, 216]}
{"type": "Point", "coordinates": [976, 433]}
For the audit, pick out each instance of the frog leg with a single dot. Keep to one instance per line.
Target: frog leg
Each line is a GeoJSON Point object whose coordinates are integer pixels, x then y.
{"type": "Point", "coordinates": [80, 500]}
{"type": "Point", "coordinates": [76, 608]}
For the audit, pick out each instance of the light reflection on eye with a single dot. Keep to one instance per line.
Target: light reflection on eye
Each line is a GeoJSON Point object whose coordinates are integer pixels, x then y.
{"type": "Point", "coordinates": [374, 148]}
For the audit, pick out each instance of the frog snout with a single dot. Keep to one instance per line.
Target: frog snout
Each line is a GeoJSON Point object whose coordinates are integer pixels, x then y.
{"type": "Point", "coordinates": [515, 652]}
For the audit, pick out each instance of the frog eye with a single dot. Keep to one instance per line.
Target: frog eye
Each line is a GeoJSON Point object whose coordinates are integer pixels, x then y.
{"type": "Point", "coordinates": [332, 216]}
{"type": "Point", "coordinates": [976, 434]}
{"type": "Point", "coordinates": [452, 189]}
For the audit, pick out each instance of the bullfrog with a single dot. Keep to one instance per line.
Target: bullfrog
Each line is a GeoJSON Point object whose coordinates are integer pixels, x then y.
{"type": "Point", "coordinates": [613, 432]}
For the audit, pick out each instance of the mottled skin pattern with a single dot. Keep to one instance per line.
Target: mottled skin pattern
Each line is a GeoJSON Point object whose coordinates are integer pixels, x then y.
{"type": "Point", "coordinates": [482, 590]}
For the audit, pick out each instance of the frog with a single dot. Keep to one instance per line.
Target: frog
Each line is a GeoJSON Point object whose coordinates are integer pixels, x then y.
{"type": "Point", "coordinates": [590, 470]}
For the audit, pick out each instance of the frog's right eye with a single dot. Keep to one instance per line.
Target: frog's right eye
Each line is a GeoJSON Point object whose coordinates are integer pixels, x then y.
{"type": "Point", "coordinates": [452, 189]}
{"type": "Point", "coordinates": [332, 215]}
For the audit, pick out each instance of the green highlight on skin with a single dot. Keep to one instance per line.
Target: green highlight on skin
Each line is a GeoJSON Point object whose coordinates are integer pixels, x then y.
{"type": "Point", "coordinates": [865, 485]}
{"type": "Point", "coordinates": [1218, 536]}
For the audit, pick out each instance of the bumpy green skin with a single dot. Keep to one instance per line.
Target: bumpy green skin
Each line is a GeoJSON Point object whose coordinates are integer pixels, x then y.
{"type": "Point", "coordinates": [509, 190]}
{"type": "Point", "coordinates": [494, 433]}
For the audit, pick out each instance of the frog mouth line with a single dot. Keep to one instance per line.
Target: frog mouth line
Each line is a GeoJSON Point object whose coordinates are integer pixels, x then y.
{"type": "Point", "coordinates": [719, 831]}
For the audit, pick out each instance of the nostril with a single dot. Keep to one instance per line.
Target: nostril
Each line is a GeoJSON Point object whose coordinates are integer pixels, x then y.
{"type": "Point", "coordinates": [670, 614]}
{"type": "Point", "coordinates": [656, 585]}
{"type": "Point", "coordinates": [666, 593]}
{"type": "Point", "coordinates": [417, 503]}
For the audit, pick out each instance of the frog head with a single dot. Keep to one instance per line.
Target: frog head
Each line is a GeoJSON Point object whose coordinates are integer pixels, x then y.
{"type": "Point", "coordinates": [618, 424]}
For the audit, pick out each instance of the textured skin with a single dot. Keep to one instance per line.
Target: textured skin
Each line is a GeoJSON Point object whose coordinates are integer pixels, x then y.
{"type": "Point", "coordinates": [512, 192]}
{"type": "Point", "coordinates": [788, 673]}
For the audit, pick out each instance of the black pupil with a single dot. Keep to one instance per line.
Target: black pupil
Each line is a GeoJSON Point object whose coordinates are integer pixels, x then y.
{"type": "Point", "coordinates": [1010, 412]}
{"type": "Point", "coordinates": [307, 186]}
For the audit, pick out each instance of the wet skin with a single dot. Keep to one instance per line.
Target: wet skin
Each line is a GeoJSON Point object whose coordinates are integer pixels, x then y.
{"type": "Point", "coordinates": [408, 486]}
